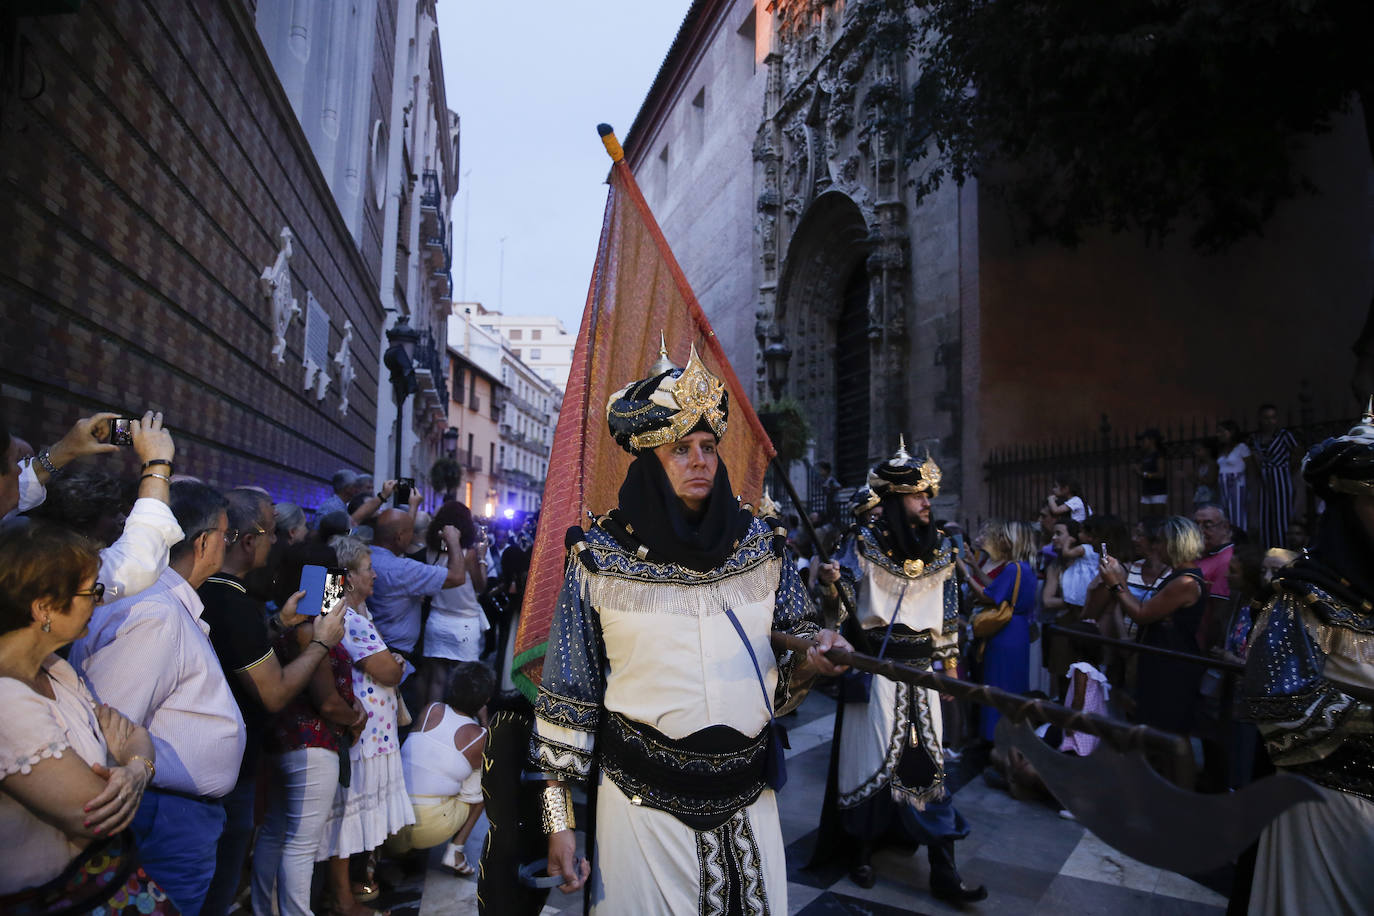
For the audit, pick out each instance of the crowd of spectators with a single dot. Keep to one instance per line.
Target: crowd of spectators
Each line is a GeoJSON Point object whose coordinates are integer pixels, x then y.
{"type": "Point", "coordinates": [1187, 584]}
{"type": "Point", "coordinates": [174, 687]}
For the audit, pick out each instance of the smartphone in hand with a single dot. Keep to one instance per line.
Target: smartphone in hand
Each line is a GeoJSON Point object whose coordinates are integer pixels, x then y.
{"type": "Point", "coordinates": [122, 431]}
{"type": "Point", "coordinates": [323, 587]}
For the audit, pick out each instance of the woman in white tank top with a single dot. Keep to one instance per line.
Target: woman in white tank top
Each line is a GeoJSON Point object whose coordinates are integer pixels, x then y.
{"type": "Point", "coordinates": [442, 760]}
{"type": "Point", "coordinates": [453, 629]}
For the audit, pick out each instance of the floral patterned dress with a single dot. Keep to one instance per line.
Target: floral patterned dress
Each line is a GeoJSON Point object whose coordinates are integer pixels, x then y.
{"type": "Point", "coordinates": [375, 804]}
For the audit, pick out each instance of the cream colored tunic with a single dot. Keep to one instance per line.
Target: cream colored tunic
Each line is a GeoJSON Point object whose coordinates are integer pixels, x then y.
{"type": "Point", "coordinates": [653, 643]}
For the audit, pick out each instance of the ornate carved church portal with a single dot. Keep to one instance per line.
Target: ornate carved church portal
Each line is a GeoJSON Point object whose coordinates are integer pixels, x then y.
{"type": "Point", "coordinates": [852, 382]}
{"type": "Point", "coordinates": [823, 316]}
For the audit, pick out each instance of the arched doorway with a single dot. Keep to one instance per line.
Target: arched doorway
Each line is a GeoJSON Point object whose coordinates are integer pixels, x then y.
{"type": "Point", "coordinates": [852, 380]}
{"type": "Point", "coordinates": [822, 315]}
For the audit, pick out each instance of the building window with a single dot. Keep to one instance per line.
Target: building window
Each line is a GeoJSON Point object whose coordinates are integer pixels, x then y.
{"type": "Point", "coordinates": [536, 334]}
{"type": "Point", "coordinates": [748, 30]}
{"type": "Point", "coordinates": [535, 353]}
{"type": "Point", "coordinates": [516, 353]}
{"type": "Point", "coordinates": [516, 334]}
{"type": "Point", "coordinates": [696, 120]}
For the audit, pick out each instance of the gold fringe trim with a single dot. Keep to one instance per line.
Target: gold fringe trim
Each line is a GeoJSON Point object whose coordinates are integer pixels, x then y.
{"type": "Point", "coordinates": [755, 585]}
{"type": "Point", "coordinates": [1339, 641]}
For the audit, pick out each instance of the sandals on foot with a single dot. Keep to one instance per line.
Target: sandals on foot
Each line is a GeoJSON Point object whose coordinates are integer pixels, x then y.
{"type": "Point", "coordinates": [456, 862]}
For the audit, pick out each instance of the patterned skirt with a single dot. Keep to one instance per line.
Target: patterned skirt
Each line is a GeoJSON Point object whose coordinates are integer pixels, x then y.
{"type": "Point", "coordinates": [105, 878]}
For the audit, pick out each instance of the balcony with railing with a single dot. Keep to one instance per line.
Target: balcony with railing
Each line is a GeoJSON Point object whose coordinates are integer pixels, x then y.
{"type": "Point", "coordinates": [429, 372]}
{"type": "Point", "coordinates": [429, 193]}
{"type": "Point", "coordinates": [471, 461]}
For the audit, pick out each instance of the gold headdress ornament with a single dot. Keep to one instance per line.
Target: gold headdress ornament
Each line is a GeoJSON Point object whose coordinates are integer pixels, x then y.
{"type": "Point", "coordinates": [768, 507]}
{"type": "Point", "coordinates": [668, 405]}
{"type": "Point", "coordinates": [902, 474]}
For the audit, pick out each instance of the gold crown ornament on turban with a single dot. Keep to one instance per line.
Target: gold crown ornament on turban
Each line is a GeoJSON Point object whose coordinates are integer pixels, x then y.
{"type": "Point", "coordinates": [904, 474]}
{"type": "Point", "coordinates": [668, 405]}
{"type": "Point", "coordinates": [863, 500]}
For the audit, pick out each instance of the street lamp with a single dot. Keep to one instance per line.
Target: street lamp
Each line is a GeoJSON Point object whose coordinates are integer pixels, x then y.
{"type": "Point", "coordinates": [776, 356]}
{"type": "Point", "coordinates": [451, 441]}
{"type": "Point", "coordinates": [400, 363]}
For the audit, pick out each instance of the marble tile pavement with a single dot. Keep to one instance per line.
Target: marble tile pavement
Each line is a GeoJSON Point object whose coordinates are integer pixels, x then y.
{"type": "Point", "coordinates": [1032, 860]}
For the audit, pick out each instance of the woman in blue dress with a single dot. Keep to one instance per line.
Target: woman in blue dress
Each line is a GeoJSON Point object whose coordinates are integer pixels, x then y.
{"type": "Point", "coordinates": [1006, 654]}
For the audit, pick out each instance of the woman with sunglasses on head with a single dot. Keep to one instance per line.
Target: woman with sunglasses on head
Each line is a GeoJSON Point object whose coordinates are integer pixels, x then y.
{"type": "Point", "coordinates": [72, 773]}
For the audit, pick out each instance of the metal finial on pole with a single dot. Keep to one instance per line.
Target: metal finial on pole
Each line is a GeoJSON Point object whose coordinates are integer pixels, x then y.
{"type": "Point", "coordinates": [612, 145]}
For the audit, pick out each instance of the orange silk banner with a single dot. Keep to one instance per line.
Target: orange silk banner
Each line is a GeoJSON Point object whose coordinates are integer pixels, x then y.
{"type": "Point", "coordinates": [637, 289]}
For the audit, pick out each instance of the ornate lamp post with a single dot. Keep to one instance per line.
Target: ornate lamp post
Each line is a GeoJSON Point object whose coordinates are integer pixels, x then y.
{"type": "Point", "coordinates": [451, 442]}
{"type": "Point", "coordinates": [400, 363]}
{"type": "Point", "coordinates": [776, 356]}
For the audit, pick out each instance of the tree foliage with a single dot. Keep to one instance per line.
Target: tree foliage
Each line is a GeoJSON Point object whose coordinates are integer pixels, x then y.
{"type": "Point", "coordinates": [1135, 114]}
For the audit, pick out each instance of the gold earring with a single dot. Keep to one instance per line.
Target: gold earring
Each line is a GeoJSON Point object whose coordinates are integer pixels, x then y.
{"type": "Point", "coordinates": [47, 624]}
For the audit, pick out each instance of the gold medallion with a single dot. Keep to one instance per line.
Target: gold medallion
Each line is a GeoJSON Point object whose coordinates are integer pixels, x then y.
{"type": "Point", "coordinates": [913, 568]}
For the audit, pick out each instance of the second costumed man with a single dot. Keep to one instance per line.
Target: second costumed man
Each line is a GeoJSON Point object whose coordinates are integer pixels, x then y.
{"type": "Point", "coordinates": [891, 769]}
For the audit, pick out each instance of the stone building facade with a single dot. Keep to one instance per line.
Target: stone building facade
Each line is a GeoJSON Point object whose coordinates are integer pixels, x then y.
{"type": "Point", "coordinates": [366, 80]}
{"type": "Point", "coordinates": [768, 151]}
{"type": "Point", "coordinates": [169, 241]}
{"type": "Point", "coordinates": [514, 445]}
{"type": "Point", "coordinates": [475, 416]}
{"type": "Point", "coordinates": [539, 341]}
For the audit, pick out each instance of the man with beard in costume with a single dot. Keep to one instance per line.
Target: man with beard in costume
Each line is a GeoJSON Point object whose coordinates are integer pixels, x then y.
{"type": "Point", "coordinates": [891, 766]}
{"type": "Point", "coordinates": [660, 672]}
{"type": "Point", "coordinates": [1309, 685]}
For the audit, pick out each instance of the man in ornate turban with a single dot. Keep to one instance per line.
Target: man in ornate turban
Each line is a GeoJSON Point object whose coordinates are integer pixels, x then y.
{"type": "Point", "coordinates": [660, 674]}
{"type": "Point", "coordinates": [1309, 685]}
{"type": "Point", "coordinates": [891, 772]}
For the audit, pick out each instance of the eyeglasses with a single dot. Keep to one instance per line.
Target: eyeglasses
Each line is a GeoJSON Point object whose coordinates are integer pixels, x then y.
{"type": "Point", "coordinates": [96, 591]}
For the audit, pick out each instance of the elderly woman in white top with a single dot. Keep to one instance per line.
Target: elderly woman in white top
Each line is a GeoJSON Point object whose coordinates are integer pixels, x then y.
{"type": "Point", "coordinates": [72, 773]}
{"type": "Point", "coordinates": [374, 805]}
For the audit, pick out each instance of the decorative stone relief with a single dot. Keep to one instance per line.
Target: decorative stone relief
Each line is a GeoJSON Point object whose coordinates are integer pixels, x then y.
{"type": "Point", "coordinates": [316, 362]}
{"type": "Point", "coordinates": [343, 358]}
{"type": "Point", "coordinates": [275, 284]}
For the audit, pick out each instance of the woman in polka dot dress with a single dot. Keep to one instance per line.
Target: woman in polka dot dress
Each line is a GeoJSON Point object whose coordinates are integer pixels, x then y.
{"type": "Point", "coordinates": [375, 804]}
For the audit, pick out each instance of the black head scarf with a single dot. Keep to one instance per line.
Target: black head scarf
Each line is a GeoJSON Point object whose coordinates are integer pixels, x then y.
{"type": "Point", "coordinates": [1341, 558]}
{"type": "Point", "coordinates": [660, 521]}
{"type": "Point", "coordinates": [907, 539]}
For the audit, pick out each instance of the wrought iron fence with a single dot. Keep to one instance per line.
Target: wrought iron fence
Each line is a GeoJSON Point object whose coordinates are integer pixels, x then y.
{"type": "Point", "coordinates": [1106, 462]}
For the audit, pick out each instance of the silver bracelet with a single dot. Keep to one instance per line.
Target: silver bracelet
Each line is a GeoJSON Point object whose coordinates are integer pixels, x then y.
{"type": "Point", "coordinates": [45, 460]}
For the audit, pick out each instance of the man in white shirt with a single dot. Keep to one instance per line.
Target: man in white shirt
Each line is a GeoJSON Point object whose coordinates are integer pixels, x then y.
{"type": "Point", "coordinates": [150, 657]}
{"type": "Point", "coordinates": [138, 557]}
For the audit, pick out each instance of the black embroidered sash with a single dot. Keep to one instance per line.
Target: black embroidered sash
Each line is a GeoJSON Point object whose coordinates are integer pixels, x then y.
{"type": "Point", "coordinates": [701, 779]}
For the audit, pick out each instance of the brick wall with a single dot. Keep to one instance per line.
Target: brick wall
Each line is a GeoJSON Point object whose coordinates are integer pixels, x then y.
{"type": "Point", "coordinates": [149, 163]}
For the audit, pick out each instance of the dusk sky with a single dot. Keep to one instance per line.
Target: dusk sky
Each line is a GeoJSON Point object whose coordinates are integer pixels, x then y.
{"type": "Point", "coordinates": [531, 82]}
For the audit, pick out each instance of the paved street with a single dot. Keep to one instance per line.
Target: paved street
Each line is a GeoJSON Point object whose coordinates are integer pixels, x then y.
{"type": "Point", "coordinates": [1032, 860]}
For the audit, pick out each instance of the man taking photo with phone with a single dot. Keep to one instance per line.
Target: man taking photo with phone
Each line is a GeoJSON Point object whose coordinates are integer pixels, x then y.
{"type": "Point", "coordinates": [240, 634]}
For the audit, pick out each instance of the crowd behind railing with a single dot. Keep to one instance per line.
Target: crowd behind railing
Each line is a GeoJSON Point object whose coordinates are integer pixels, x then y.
{"type": "Point", "coordinates": [1060, 605]}
{"type": "Point", "coordinates": [212, 698]}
